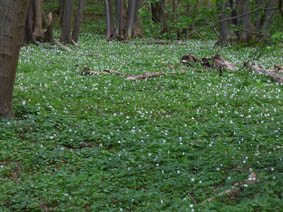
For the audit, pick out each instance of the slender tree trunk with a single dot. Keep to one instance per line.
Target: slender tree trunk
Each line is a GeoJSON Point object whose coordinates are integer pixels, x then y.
{"type": "Point", "coordinates": [131, 17]}
{"type": "Point", "coordinates": [78, 20]}
{"type": "Point", "coordinates": [67, 21]}
{"type": "Point", "coordinates": [224, 25]}
{"type": "Point", "coordinates": [268, 15]}
{"type": "Point", "coordinates": [164, 17]}
{"type": "Point", "coordinates": [119, 19]}
{"type": "Point", "coordinates": [137, 25]}
{"type": "Point", "coordinates": [37, 12]}
{"type": "Point", "coordinates": [109, 19]}
{"type": "Point", "coordinates": [258, 15]}
{"type": "Point", "coordinates": [12, 23]}
{"type": "Point", "coordinates": [29, 37]}
{"type": "Point", "coordinates": [246, 35]}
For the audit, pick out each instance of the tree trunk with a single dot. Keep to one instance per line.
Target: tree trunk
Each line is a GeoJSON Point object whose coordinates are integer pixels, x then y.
{"type": "Point", "coordinates": [119, 19]}
{"type": "Point", "coordinates": [246, 34]}
{"type": "Point", "coordinates": [224, 25]}
{"type": "Point", "coordinates": [164, 17]}
{"type": "Point", "coordinates": [29, 37]}
{"type": "Point", "coordinates": [12, 22]}
{"type": "Point", "coordinates": [109, 19]}
{"type": "Point", "coordinates": [268, 15]}
{"type": "Point", "coordinates": [78, 20]}
{"type": "Point", "coordinates": [131, 17]}
{"type": "Point", "coordinates": [137, 25]}
{"type": "Point", "coordinates": [37, 11]}
{"type": "Point", "coordinates": [67, 21]}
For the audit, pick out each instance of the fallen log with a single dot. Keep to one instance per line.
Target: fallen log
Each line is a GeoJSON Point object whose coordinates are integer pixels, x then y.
{"type": "Point", "coordinates": [219, 63]}
{"type": "Point", "coordinates": [188, 59]}
{"type": "Point", "coordinates": [152, 74]}
{"type": "Point", "coordinates": [216, 62]}
{"type": "Point", "coordinates": [271, 73]}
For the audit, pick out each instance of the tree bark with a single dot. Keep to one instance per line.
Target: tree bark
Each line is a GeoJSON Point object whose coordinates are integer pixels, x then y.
{"type": "Point", "coordinates": [109, 19]}
{"type": "Point", "coordinates": [267, 17]}
{"type": "Point", "coordinates": [246, 36]}
{"type": "Point", "coordinates": [78, 20]}
{"type": "Point", "coordinates": [29, 37]}
{"type": "Point", "coordinates": [131, 17]}
{"type": "Point", "coordinates": [67, 21]}
{"type": "Point", "coordinates": [119, 19]}
{"type": "Point", "coordinates": [12, 23]}
{"type": "Point", "coordinates": [137, 25]}
{"type": "Point", "coordinates": [37, 12]}
{"type": "Point", "coordinates": [223, 26]}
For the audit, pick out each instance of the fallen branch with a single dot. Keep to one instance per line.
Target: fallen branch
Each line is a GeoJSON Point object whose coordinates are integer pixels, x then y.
{"type": "Point", "coordinates": [157, 43]}
{"type": "Point", "coordinates": [271, 73]}
{"type": "Point", "coordinates": [61, 45]}
{"type": "Point", "coordinates": [236, 188]}
{"type": "Point", "coordinates": [152, 74]}
{"type": "Point", "coordinates": [86, 71]}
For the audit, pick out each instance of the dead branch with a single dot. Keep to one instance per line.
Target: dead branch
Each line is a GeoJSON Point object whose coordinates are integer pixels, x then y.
{"type": "Point", "coordinates": [86, 71]}
{"type": "Point", "coordinates": [271, 73]}
{"type": "Point", "coordinates": [152, 74]}
{"type": "Point", "coordinates": [61, 45]}
{"type": "Point", "coordinates": [157, 43]}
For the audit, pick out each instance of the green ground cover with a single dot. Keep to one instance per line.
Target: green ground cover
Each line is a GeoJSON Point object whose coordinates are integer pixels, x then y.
{"type": "Point", "coordinates": [102, 143]}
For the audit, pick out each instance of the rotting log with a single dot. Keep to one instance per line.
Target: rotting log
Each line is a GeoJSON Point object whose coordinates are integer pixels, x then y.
{"type": "Point", "coordinates": [271, 73]}
{"type": "Point", "coordinates": [219, 63]}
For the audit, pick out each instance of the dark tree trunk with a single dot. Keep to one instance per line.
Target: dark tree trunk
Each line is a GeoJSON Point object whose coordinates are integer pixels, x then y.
{"type": "Point", "coordinates": [29, 37]}
{"type": "Point", "coordinates": [37, 12]}
{"type": "Point", "coordinates": [109, 19]}
{"type": "Point", "coordinates": [67, 21]}
{"type": "Point", "coordinates": [164, 17]}
{"type": "Point", "coordinates": [222, 7]}
{"type": "Point", "coordinates": [267, 16]}
{"type": "Point", "coordinates": [119, 19]}
{"type": "Point", "coordinates": [131, 17]}
{"type": "Point", "coordinates": [49, 29]}
{"type": "Point", "coordinates": [137, 25]}
{"type": "Point", "coordinates": [246, 35]}
{"type": "Point", "coordinates": [78, 20]}
{"type": "Point", "coordinates": [12, 24]}
{"type": "Point", "coordinates": [61, 11]}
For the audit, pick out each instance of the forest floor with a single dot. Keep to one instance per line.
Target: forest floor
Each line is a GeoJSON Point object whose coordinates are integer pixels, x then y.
{"type": "Point", "coordinates": [195, 141]}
